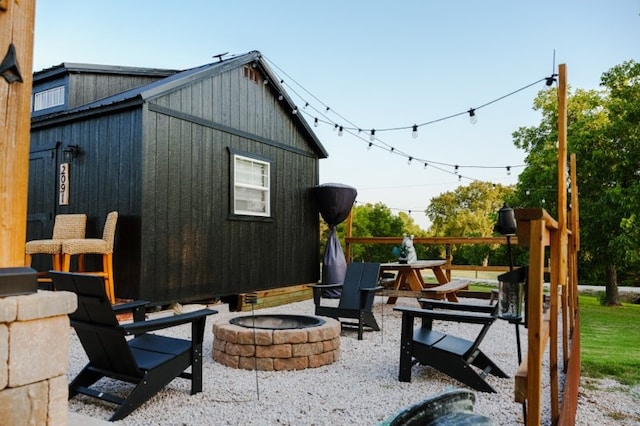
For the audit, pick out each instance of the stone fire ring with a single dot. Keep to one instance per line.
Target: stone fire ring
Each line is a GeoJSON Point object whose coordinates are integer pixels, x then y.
{"type": "Point", "coordinates": [275, 350]}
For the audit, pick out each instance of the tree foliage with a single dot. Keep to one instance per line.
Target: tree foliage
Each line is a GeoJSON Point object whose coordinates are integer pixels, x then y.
{"type": "Point", "coordinates": [377, 220]}
{"type": "Point", "coordinates": [469, 211]}
{"type": "Point", "coordinates": [604, 133]}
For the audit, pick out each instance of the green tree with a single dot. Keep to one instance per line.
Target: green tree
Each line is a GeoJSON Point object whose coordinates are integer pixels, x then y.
{"type": "Point", "coordinates": [374, 220]}
{"type": "Point", "coordinates": [604, 133]}
{"type": "Point", "coordinates": [468, 211]}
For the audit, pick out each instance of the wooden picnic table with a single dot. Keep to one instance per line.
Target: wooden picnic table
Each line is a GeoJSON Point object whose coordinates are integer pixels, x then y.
{"type": "Point", "coordinates": [409, 281]}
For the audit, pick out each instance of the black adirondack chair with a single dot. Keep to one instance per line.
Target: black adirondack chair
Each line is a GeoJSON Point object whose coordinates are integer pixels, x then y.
{"type": "Point", "coordinates": [148, 361]}
{"type": "Point", "coordinates": [454, 356]}
{"type": "Point", "coordinates": [356, 300]}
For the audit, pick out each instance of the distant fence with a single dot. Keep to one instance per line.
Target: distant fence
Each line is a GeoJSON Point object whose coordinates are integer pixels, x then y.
{"type": "Point", "coordinates": [447, 242]}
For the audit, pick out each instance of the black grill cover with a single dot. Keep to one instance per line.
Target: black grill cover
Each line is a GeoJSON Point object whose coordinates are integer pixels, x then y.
{"type": "Point", "coordinates": [334, 202]}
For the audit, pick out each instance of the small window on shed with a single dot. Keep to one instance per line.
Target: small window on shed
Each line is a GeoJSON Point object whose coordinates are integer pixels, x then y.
{"type": "Point", "coordinates": [48, 98]}
{"type": "Point", "coordinates": [251, 186]}
{"type": "Point", "coordinates": [250, 73]}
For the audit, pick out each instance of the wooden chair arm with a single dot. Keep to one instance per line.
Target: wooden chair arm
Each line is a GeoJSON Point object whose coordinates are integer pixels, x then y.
{"type": "Point", "coordinates": [455, 306]}
{"type": "Point", "coordinates": [428, 314]}
{"type": "Point", "coordinates": [166, 322]}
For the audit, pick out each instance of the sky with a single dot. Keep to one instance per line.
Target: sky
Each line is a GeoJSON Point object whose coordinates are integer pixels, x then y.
{"type": "Point", "coordinates": [375, 65]}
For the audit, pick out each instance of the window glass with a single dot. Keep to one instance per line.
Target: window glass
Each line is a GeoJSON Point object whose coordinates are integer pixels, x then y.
{"type": "Point", "coordinates": [251, 192]}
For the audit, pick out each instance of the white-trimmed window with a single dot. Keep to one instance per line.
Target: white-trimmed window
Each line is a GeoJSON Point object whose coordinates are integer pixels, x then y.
{"type": "Point", "coordinates": [251, 186]}
{"type": "Point", "coordinates": [48, 98]}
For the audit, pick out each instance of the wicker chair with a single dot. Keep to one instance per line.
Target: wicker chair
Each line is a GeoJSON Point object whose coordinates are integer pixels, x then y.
{"type": "Point", "coordinates": [65, 226]}
{"type": "Point", "coordinates": [102, 246]}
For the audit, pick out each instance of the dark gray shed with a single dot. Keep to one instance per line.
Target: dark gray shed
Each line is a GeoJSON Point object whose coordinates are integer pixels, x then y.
{"type": "Point", "coordinates": [209, 168]}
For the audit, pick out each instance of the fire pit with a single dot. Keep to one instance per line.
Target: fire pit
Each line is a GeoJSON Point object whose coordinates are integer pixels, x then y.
{"type": "Point", "coordinates": [276, 342]}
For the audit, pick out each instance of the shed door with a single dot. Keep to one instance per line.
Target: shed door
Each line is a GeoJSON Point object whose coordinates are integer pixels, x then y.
{"type": "Point", "coordinates": [42, 196]}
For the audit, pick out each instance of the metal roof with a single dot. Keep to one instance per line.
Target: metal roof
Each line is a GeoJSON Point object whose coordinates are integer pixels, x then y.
{"type": "Point", "coordinates": [174, 80]}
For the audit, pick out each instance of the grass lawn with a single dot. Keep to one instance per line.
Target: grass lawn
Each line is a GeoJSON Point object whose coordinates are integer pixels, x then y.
{"type": "Point", "coordinates": [610, 340]}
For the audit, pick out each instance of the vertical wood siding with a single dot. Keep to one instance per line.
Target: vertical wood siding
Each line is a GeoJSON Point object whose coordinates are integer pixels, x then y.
{"type": "Point", "coordinates": [198, 249]}
{"type": "Point", "coordinates": [165, 167]}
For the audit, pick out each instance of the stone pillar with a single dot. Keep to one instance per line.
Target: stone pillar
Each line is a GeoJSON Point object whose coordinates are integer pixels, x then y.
{"type": "Point", "coordinates": [34, 357]}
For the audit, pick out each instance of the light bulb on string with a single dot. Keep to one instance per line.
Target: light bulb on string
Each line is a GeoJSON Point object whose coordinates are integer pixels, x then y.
{"type": "Point", "coordinates": [372, 137]}
{"type": "Point", "coordinates": [295, 110]}
{"type": "Point", "coordinates": [414, 132]}
{"type": "Point", "coordinates": [335, 127]}
{"type": "Point", "coordinates": [459, 178]}
{"type": "Point", "coordinates": [391, 150]}
{"type": "Point", "coordinates": [306, 104]}
{"type": "Point", "coordinates": [508, 170]}
{"type": "Point", "coordinates": [266, 81]}
{"type": "Point", "coordinates": [280, 97]}
{"type": "Point", "coordinates": [315, 122]}
{"type": "Point", "coordinates": [409, 161]}
{"type": "Point", "coordinates": [456, 169]}
{"type": "Point", "coordinates": [370, 145]}
{"type": "Point", "coordinates": [340, 131]}
{"type": "Point", "coordinates": [472, 116]}
{"type": "Point", "coordinates": [425, 166]}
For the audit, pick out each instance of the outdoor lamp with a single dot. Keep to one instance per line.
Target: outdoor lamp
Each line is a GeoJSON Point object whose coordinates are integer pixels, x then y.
{"type": "Point", "coordinates": [71, 152]}
{"type": "Point", "coordinates": [506, 223]}
{"type": "Point", "coordinates": [9, 68]}
{"type": "Point", "coordinates": [511, 285]}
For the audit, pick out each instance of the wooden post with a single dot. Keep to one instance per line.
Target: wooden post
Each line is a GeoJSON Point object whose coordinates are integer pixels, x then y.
{"type": "Point", "coordinates": [349, 228]}
{"type": "Point", "coordinates": [562, 175]}
{"type": "Point", "coordinates": [535, 348]}
{"type": "Point", "coordinates": [16, 29]}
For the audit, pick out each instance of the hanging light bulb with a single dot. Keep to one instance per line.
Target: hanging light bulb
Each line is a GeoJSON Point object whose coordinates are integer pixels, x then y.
{"type": "Point", "coordinates": [472, 116]}
{"type": "Point", "coordinates": [370, 145]}
{"type": "Point", "coordinates": [315, 122]}
{"type": "Point", "coordinates": [328, 109]}
{"type": "Point", "coordinates": [425, 165]}
{"type": "Point", "coordinates": [295, 110]}
{"type": "Point", "coordinates": [266, 81]}
{"type": "Point", "coordinates": [306, 104]}
{"type": "Point", "coordinates": [340, 131]}
{"type": "Point", "coordinates": [280, 97]}
{"type": "Point", "coordinates": [459, 178]}
{"type": "Point", "coordinates": [372, 137]}
{"type": "Point", "coordinates": [508, 170]}
{"type": "Point", "coordinates": [409, 161]}
{"type": "Point", "coordinates": [335, 127]}
{"type": "Point", "coordinates": [456, 169]}
{"type": "Point", "coordinates": [391, 150]}
{"type": "Point", "coordinates": [414, 132]}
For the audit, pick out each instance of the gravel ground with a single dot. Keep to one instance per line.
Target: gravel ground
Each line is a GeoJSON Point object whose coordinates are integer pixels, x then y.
{"type": "Point", "coordinates": [361, 388]}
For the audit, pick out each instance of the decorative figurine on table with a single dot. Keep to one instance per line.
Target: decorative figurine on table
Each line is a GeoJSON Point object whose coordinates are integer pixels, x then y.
{"type": "Point", "coordinates": [406, 253]}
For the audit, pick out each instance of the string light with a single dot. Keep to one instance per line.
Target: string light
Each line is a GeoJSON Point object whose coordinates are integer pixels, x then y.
{"type": "Point", "coordinates": [472, 116]}
{"type": "Point", "coordinates": [340, 131]}
{"type": "Point", "coordinates": [335, 127]}
{"type": "Point", "coordinates": [409, 161]}
{"type": "Point", "coordinates": [280, 97]}
{"type": "Point", "coordinates": [295, 110]}
{"type": "Point", "coordinates": [508, 170]}
{"type": "Point", "coordinates": [414, 128]}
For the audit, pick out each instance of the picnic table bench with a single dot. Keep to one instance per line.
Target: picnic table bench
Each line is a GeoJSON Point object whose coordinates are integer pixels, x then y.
{"type": "Point", "coordinates": [448, 290]}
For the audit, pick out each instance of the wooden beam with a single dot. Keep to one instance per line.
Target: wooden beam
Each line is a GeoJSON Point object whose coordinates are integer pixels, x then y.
{"type": "Point", "coordinates": [16, 29]}
{"type": "Point", "coordinates": [520, 391]}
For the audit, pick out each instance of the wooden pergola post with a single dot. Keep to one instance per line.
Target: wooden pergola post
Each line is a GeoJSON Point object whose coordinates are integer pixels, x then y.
{"type": "Point", "coordinates": [16, 55]}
